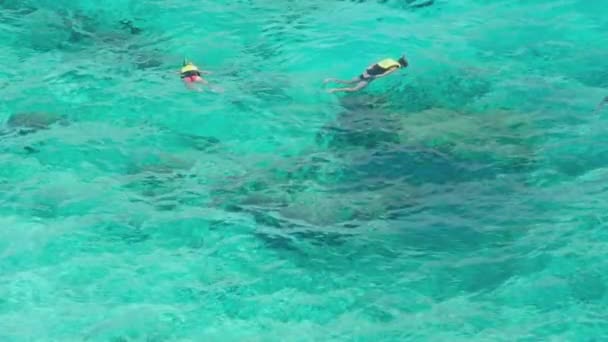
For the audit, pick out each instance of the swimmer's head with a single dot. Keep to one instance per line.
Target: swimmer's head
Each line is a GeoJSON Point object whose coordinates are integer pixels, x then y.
{"type": "Point", "coordinates": [402, 61]}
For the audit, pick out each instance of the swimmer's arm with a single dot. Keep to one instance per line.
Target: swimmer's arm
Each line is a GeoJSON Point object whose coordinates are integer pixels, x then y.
{"type": "Point", "coordinates": [348, 90]}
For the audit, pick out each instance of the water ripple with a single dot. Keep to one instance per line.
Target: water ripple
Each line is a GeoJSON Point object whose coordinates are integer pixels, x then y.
{"type": "Point", "coordinates": [460, 199]}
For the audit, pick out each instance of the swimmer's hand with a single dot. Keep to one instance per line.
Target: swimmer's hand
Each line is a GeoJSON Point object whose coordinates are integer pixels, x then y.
{"type": "Point", "coordinates": [216, 89]}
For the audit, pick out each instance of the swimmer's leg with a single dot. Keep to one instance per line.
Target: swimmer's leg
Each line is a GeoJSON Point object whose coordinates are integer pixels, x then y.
{"type": "Point", "coordinates": [335, 80]}
{"type": "Point", "coordinates": [359, 86]}
{"type": "Point", "coordinates": [192, 86]}
{"type": "Point", "coordinates": [205, 82]}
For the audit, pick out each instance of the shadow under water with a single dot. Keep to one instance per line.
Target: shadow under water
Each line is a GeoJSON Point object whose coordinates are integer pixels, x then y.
{"type": "Point", "coordinates": [375, 167]}
{"type": "Point", "coordinates": [406, 4]}
{"type": "Point", "coordinates": [25, 123]}
{"type": "Point", "coordinates": [30, 122]}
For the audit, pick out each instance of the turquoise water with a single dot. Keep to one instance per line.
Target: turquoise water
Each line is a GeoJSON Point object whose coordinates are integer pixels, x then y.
{"type": "Point", "coordinates": [461, 199]}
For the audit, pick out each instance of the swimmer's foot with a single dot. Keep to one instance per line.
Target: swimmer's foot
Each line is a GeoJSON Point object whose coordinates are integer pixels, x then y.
{"type": "Point", "coordinates": [216, 89]}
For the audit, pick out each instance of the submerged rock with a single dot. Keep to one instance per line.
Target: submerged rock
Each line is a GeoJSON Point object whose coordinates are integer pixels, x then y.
{"type": "Point", "coordinates": [408, 4]}
{"type": "Point", "coordinates": [199, 142]}
{"type": "Point", "coordinates": [29, 122]}
{"type": "Point", "coordinates": [364, 122]}
{"type": "Point", "coordinates": [130, 27]}
{"type": "Point", "coordinates": [24, 123]}
{"type": "Point", "coordinates": [419, 3]}
{"type": "Point", "coordinates": [162, 164]}
{"type": "Point", "coordinates": [159, 180]}
{"type": "Point", "coordinates": [496, 136]}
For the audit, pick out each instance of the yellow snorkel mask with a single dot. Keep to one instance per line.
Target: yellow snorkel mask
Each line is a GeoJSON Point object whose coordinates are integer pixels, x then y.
{"type": "Point", "coordinates": [188, 66]}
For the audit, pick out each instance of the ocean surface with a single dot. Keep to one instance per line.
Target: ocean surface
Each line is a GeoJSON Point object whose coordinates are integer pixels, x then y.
{"type": "Point", "coordinates": [461, 199]}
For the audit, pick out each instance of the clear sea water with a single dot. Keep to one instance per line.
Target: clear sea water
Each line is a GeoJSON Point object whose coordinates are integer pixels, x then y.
{"type": "Point", "coordinates": [461, 199]}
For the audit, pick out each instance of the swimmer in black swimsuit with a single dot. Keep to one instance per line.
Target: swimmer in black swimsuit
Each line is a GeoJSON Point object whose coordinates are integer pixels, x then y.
{"type": "Point", "coordinates": [377, 70]}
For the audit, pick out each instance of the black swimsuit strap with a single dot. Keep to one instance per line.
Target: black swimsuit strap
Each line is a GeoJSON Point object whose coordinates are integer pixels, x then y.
{"type": "Point", "coordinates": [191, 73]}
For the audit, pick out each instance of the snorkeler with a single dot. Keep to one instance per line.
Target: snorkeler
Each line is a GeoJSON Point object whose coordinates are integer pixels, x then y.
{"type": "Point", "coordinates": [381, 69]}
{"type": "Point", "coordinates": [191, 74]}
